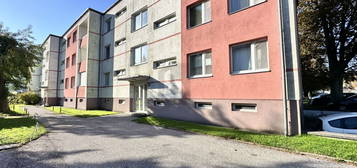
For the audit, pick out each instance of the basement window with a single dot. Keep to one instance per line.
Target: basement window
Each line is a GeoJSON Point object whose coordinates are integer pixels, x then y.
{"type": "Point", "coordinates": [203, 105]}
{"type": "Point", "coordinates": [244, 107]}
{"type": "Point", "coordinates": [121, 101]}
{"type": "Point", "coordinates": [159, 103]}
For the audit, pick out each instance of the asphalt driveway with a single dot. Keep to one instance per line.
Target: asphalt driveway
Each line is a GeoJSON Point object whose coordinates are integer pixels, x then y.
{"type": "Point", "coordinates": [117, 142]}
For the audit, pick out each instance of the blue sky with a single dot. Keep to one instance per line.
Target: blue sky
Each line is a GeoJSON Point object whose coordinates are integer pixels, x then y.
{"type": "Point", "coordinates": [46, 16]}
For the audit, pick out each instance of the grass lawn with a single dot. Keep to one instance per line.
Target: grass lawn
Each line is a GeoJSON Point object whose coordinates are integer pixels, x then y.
{"type": "Point", "coordinates": [16, 110]}
{"type": "Point", "coordinates": [80, 113]}
{"type": "Point", "coordinates": [19, 130]}
{"type": "Point", "coordinates": [15, 128]}
{"type": "Point", "coordinates": [340, 149]}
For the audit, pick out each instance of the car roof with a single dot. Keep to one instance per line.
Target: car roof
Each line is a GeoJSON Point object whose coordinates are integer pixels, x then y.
{"type": "Point", "coordinates": [339, 115]}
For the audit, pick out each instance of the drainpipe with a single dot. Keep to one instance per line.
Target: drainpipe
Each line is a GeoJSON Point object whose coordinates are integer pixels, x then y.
{"type": "Point", "coordinates": [284, 77]}
{"type": "Point", "coordinates": [295, 64]}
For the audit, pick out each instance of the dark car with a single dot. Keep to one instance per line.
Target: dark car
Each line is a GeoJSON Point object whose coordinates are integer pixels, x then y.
{"type": "Point", "coordinates": [349, 104]}
{"type": "Point", "coordinates": [326, 100]}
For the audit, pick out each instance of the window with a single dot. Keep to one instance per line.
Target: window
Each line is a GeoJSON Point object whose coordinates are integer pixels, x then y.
{"type": "Point", "coordinates": [200, 64]}
{"type": "Point", "coordinates": [165, 63]}
{"type": "Point", "coordinates": [140, 20]}
{"type": "Point", "coordinates": [74, 36]}
{"type": "Point", "coordinates": [120, 72]}
{"type": "Point", "coordinates": [345, 123]}
{"type": "Point", "coordinates": [120, 42]}
{"type": "Point", "coordinates": [139, 55]}
{"type": "Point", "coordinates": [107, 52]}
{"type": "Point", "coordinates": [62, 62]}
{"type": "Point", "coordinates": [121, 12]}
{"type": "Point", "coordinates": [165, 21]}
{"type": "Point", "coordinates": [72, 82]}
{"type": "Point", "coordinates": [66, 84]}
{"type": "Point", "coordinates": [108, 23]}
{"type": "Point", "coordinates": [244, 107]}
{"type": "Point", "coordinates": [121, 101]}
{"type": "Point", "coordinates": [74, 59]}
{"type": "Point", "coordinates": [67, 62]}
{"type": "Point", "coordinates": [62, 81]}
{"type": "Point", "coordinates": [199, 14]}
{"type": "Point", "coordinates": [236, 5]}
{"type": "Point", "coordinates": [350, 123]}
{"type": "Point", "coordinates": [68, 42]}
{"type": "Point", "coordinates": [249, 57]}
{"type": "Point", "coordinates": [203, 105]}
{"type": "Point", "coordinates": [106, 78]}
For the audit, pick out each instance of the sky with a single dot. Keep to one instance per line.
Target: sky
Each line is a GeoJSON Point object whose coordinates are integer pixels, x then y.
{"type": "Point", "coordinates": [46, 16]}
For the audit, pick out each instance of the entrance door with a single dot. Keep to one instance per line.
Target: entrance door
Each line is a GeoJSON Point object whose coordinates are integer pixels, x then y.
{"type": "Point", "coordinates": [140, 97]}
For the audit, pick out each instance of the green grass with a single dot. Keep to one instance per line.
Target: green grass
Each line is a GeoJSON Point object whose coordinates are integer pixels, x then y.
{"type": "Point", "coordinates": [16, 110]}
{"type": "Point", "coordinates": [80, 113]}
{"type": "Point", "coordinates": [15, 130]}
{"type": "Point", "coordinates": [339, 149]}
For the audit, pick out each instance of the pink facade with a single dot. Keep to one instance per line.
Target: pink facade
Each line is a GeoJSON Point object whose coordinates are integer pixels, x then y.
{"type": "Point", "coordinates": [225, 29]}
{"type": "Point", "coordinates": [70, 69]}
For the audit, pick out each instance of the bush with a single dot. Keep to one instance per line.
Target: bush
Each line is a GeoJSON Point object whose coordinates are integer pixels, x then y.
{"type": "Point", "coordinates": [29, 98]}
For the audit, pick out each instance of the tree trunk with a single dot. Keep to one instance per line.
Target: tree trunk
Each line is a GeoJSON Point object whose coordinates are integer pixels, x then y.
{"type": "Point", "coordinates": [336, 86]}
{"type": "Point", "coordinates": [4, 106]}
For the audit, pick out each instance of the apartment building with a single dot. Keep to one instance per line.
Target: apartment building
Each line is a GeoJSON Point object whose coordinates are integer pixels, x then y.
{"type": "Point", "coordinates": [35, 83]}
{"type": "Point", "coordinates": [233, 63]}
{"type": "Point", "coordinates": [50, 70]}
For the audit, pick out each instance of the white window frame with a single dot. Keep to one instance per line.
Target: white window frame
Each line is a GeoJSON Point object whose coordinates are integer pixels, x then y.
{"type": "Point", "coordinates": [204, 21]}
{"type": "Point", "coordinates": [165, 21]}
{"type": "Point", "coordinates": [252, 57]}
{"type": "Point", "coordinates": [251, 3]}
{"type": "Point", "coordinates": [203, 59]}
{"type": "Point", "coordinates": [244, 105]}
{"type": "Point", "coordinates": [141, 55]}
{"type": "Point", "coordinates": [140, 14]}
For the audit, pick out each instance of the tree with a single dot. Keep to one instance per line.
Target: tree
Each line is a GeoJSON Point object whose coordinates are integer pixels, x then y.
{"type": "Point", "coordinates": [18, 54]}
{"type": "Point", "coordinates": [328, 35]}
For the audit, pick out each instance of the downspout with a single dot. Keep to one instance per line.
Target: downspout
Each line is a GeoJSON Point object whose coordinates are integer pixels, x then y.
{"type": "Point", "coordinates": [284, 77]}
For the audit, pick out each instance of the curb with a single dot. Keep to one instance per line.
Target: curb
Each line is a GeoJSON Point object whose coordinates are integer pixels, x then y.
{"type": "Point", "coordinates": [10, 146]}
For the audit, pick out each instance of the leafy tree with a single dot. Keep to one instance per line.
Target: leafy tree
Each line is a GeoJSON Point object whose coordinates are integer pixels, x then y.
{"type": "Point", "coordinates": [328, 36]}
{"type": "Point", "coordinates": [18, 54]}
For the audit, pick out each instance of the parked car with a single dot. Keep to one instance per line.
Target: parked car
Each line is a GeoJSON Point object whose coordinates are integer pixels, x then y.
{"type": "Point", "coordinates": [340, 123]}
{"type": "Point", "coordinates": [349, 104]}
{"type": "Point", "coordinates": [325, 99]}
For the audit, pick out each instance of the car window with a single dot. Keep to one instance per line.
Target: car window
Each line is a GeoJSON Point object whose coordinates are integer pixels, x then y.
{"type": "Point", "coordinates": [336, 123]}
{"type": "Point", "coordinates": [350, 123]}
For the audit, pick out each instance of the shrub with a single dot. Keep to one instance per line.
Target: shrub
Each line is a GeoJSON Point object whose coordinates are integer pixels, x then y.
{"type": "Point", "coordinates": [29, 98]}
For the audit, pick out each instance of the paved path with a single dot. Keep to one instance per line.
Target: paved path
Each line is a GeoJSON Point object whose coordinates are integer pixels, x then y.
{"type": "Point", "coordinates": [116, 141]}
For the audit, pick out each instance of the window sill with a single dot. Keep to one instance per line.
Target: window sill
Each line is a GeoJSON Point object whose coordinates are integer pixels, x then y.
{"type": "Point", "coordinates": [189, 28]}
{"type": "Point", "coordinates": [139, 28]}
{"type": "Point", "coordinates": [250, 72]}
{"type": "Point", "coordinates": [139, 64]}
{"type": "Point", "coordinates": [201, 76]}
{"type": "Point", "coordinates": [231, 13]}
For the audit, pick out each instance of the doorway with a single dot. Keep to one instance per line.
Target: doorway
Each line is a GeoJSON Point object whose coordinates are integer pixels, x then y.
{"type": "Point", "coordinates": [140, 95]}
